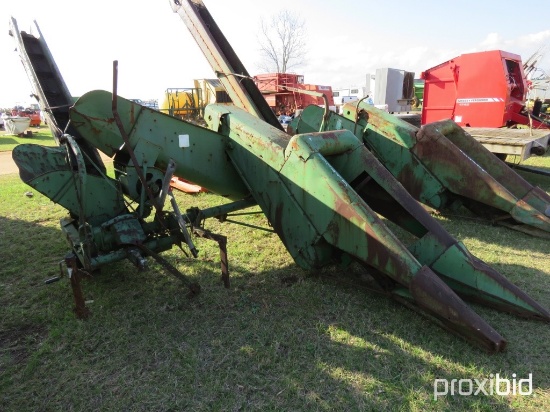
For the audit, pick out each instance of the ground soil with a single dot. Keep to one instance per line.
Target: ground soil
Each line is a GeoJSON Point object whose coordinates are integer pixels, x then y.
{"type": "Point", "coordinates": [7, 165]}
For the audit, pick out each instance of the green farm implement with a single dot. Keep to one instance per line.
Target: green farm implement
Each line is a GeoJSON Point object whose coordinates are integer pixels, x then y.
{"type": "Point", "coordinates": [325, 191]}
{"type": "Point", "coordinates": [440, 165]}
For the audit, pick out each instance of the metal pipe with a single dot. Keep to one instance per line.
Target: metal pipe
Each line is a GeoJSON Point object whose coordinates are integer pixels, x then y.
{"type": "Point", "coordinates": [127, 144]}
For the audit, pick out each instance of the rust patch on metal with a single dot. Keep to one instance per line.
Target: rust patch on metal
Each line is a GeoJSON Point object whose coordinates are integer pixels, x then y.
{"type": "Point", "coordinates": [278, 224]}
{"type": "Point", "coordinates": [378, 254]}
{"type": "Point", "coordinates": [132, 114]}
{"type": "Point", "coordinates": [222, 244]}
{"type": "Point", "coordinates": [462, 175]}
{"type": "Point", "coordinates": [75, 276]}
{"type": "Point", "coordinates": [432, 294]}
{"type": "Point", "coordinates": [409, 181]}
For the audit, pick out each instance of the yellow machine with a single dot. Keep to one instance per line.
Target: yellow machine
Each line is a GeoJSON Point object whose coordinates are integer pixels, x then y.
{"type": "Point", "coordinates": [189, 103]}
{"type": "Point", "coordinates": [181, 102]}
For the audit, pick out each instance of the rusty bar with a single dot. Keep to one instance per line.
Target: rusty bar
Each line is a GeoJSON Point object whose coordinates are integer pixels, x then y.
{"type": "Point", "coordinates": [194, 287]}
{"type": "Point", "coordinates": [80, 309]}
{"type": "Point", "coordinates": [128, 147]}
{"type": "Point", "coordinates": [222, 243]}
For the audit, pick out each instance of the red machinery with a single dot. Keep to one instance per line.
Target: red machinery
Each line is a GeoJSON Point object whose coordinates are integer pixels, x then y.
{"type": "Point", "coordinates": [286, 102]}
{"type": "Point", "coordinates": [34, 115]}
{"type": "Point", "coordinates": [485, 89]}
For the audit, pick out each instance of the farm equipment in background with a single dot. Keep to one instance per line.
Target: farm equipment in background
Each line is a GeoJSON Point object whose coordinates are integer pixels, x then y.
{"type": "Point", "coordinates": [18, 120]}
{"type": "Point", "coordinates": [17, 125]}
{"type": "Point", "coordinates": [188, 103]}
{"type": "Point", "coordinates": [538, 84]}
{"type": "Point", "coordinates": [484, 89]}
{"type": "Point", "coordinates": [320, 191]}
{"type": "Point", "coordinates": [284, 92]}
{"type": "Point", "coordinates": [485, 93]}
{"type": "Point", "coordinates": [33, 115]}
{"type": "Point", "coordinates": [418, 99]}
{"type": "Point", "coordinates": [184, 103]}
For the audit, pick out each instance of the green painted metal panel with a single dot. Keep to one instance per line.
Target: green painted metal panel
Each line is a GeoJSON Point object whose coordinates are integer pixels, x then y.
{"type": "Point", "coordinates": [199, 153]}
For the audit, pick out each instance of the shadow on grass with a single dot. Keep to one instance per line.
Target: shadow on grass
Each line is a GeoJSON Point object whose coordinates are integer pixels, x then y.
{"type": "Point", "coordinates": [278, 339]}
{"type": "Point", "coordinates": [465, 226]}
{"type": "Point", "coordinates": [6, 140]}
{"type": "Point", "coordinates": [327, 342]}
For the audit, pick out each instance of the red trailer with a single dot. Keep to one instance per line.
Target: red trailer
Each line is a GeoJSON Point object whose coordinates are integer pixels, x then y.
{"type": "Point", "coordinates": [485, 89]}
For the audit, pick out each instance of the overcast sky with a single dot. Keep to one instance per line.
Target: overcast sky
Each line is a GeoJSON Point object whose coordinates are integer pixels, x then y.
{"type": "Point", "coordinates": [346, 39]}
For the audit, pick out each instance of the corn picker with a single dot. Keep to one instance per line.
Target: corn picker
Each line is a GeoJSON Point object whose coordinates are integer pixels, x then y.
{"type": "Point", "coordinates": [441, 166]}
{"type": "Point", "coordinates": [326, 190]}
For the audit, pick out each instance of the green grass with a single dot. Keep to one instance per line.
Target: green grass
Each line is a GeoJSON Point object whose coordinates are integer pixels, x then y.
{"type": "Point", "coordinates": [40, 135]}
{"type": "Point", "coordinates": [279, 339]}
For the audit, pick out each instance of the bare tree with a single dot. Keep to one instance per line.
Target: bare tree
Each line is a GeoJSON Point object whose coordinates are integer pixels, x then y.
{"type": "Point", "coordinates": [282, 42]}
